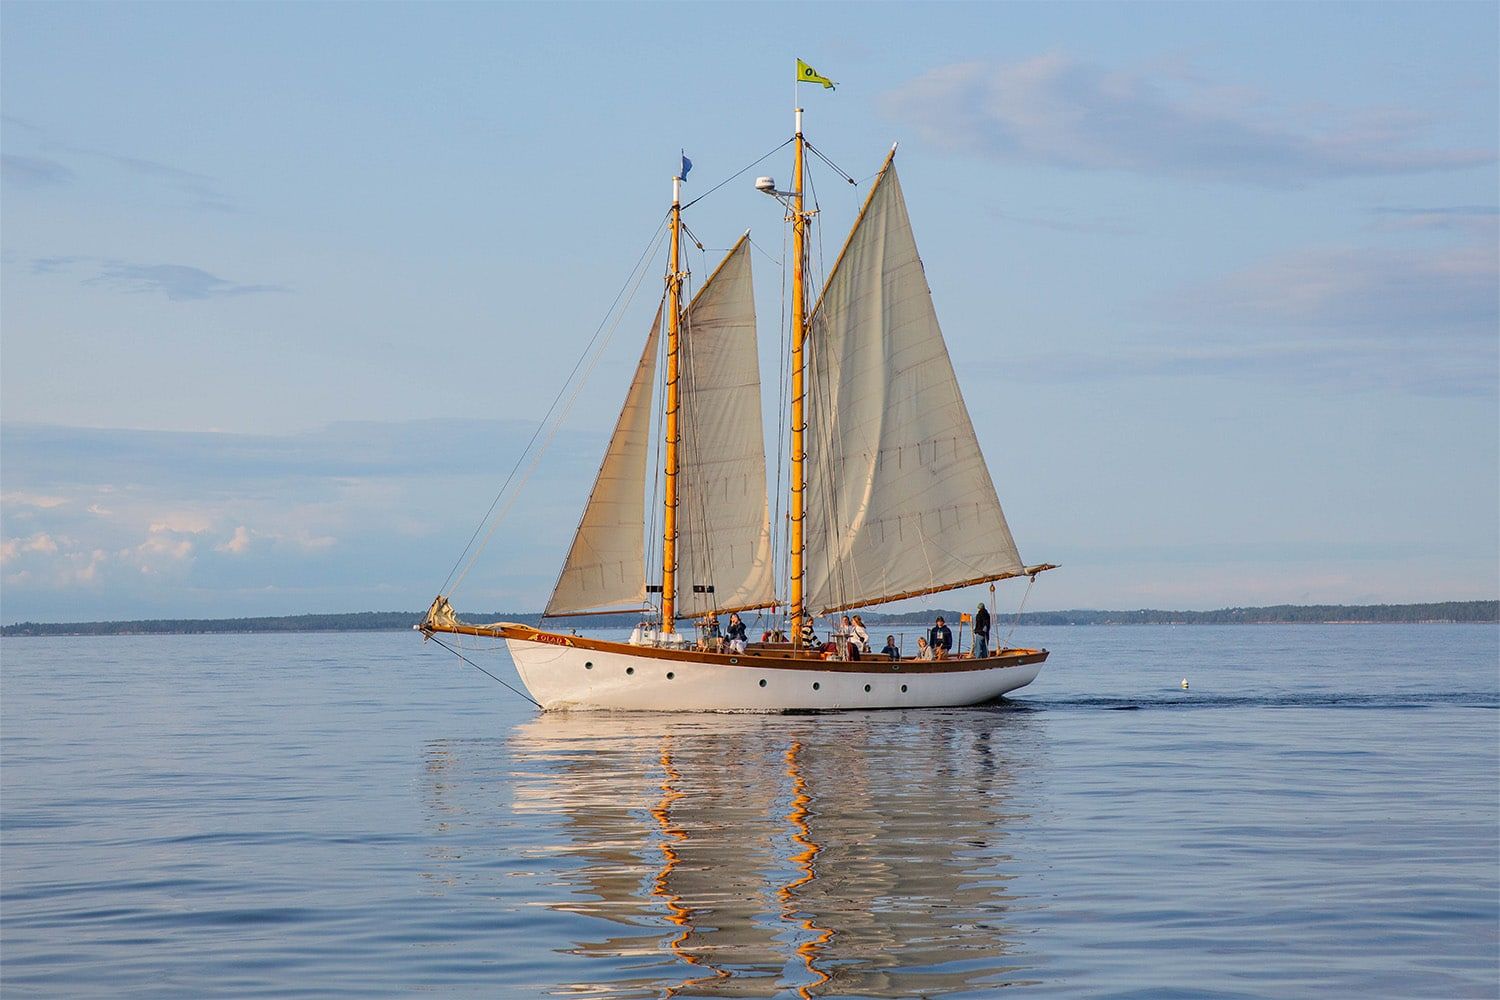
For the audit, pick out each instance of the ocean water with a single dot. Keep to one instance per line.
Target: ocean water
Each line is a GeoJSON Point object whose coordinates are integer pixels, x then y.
{"type": "Point", "coordinates": [364, 815]}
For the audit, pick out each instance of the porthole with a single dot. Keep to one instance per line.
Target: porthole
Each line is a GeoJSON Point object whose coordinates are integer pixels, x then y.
{"type": "Point", "coordinates": [867, 689]}
{"type": "Point", "coordinates": [670, 675]}
{"type": "Point", "coordinates": [630, 670]}
{"type": "Point", "coordinates": [588, 665]}
{"type": "Point", "coordinates": [762, 682]}
{"type": "Point", "coordinates": [903, 689]}
{"type": "Point", "coordinates": [816, 686]}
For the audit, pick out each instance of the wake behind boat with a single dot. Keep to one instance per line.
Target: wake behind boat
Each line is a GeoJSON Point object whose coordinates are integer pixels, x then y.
{"type": "Point", "coordinates": [888, 498]}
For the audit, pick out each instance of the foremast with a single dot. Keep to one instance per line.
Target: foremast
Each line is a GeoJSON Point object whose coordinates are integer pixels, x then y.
{"type": "Point", "coordinates": [671, 411]}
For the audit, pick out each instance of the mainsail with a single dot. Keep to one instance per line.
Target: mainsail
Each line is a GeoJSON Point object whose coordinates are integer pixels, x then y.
{"type": "Point", "coordinates": [724, 529]}
{"type": "Point", "coordinates": [606, 569]}
{"type": "Point", "coordinates": [899, 499]}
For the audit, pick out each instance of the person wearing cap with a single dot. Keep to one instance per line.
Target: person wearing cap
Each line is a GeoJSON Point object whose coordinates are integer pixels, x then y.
{"type": "Point", "coordinates": [940, 639]}
{"type": "Point", "coordinates": [981, 633]}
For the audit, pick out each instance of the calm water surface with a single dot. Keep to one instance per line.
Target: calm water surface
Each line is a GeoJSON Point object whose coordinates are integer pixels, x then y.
{"type": "Point", "coordinates": [363, 815]}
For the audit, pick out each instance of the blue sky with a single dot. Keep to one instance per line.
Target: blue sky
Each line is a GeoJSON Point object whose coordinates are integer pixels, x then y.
{"type": "Point", "coordinates": [286, 287]}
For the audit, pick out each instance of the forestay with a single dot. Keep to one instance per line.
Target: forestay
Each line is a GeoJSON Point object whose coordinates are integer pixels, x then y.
{"type": "Point", "coordinates": [899, 499]}
{"type": "Point", "coordinates": [724, 531]}
{"type": "Point", "coordinates": [605, 569]}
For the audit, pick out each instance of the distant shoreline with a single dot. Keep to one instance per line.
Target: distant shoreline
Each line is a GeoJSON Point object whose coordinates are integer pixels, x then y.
{"type": "Point", "coordinates": [1449, 612]}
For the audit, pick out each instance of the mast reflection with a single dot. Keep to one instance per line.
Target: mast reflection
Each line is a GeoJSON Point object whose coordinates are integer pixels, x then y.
{"type": "Point", "coordinates": [757, 856]}
{"type": "Point", "coordinates": [802, 837]}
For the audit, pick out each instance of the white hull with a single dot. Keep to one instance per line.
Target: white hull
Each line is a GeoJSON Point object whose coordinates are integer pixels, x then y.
{"type": "Point", "coordinates": [569, 678]}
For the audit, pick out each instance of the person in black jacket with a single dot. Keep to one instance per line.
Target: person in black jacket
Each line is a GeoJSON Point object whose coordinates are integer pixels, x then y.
{"type": "Point", "coordinates": [940, 639]}
{"type": "Point", "coordinates": [981, 633]}
{"type": "Point", "coordinates": [736, 635]}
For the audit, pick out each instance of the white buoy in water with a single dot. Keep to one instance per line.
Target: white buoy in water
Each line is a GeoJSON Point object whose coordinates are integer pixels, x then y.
{"type": "Point", "coordinates": [1184, 684]}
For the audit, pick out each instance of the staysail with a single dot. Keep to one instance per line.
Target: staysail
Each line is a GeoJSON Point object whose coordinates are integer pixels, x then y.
{"type": "Point", "coordinates": [899, 499]}
{"type": "Point", "coordinates": [724, 528]}
{"type": "Point", "coordinates": [606, 569]}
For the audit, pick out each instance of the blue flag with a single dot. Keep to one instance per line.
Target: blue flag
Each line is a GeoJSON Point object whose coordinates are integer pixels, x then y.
{"type": "Point", "coordinates": [687, 165]}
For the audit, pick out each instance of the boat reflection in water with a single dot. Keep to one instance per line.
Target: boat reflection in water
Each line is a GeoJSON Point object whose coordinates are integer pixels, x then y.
{"type": "Point", "coordinates": [752, 855]}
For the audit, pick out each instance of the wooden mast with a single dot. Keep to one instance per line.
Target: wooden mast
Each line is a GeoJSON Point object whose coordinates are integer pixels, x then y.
{"type": "Point", "coordinates": [672, 407]}
{"type": "Point", "coordinates": [796, 544]}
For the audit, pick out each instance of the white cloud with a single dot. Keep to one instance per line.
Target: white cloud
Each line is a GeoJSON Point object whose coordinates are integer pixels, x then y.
{"type": "Point", "coordinates": [237, 544]}
{"type": "Point", "coordinates": [1060, 111]}
{"type": "Point", "coordinates": [41, 542]}
{"type": "Point", "coordinates": [32, 500]}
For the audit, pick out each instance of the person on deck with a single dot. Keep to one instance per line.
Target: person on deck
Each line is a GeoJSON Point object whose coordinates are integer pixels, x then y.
{"type": "Point", "coordinates": [924, 651]}
{"type": "Point", "coordinates": [847, 637]}
{"type": "Point", "coordinates": [891, 649]}
{"type": "Point", "coordinates": [859, 636]}
{"type": "Point", "coordinates": [809, 637]}
{"type": "Point", "coordinates": [981, 633]}
{"type": "Point", "coordinates": [939, 639]}
{"type": "Point", "coordinates": [737, 638]}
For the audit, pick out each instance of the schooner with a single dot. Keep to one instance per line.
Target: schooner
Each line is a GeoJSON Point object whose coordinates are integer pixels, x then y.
{"type": "Point", "coordinates": [889, 495]}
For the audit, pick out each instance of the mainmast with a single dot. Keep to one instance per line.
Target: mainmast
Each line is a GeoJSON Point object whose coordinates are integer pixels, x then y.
{"type": "Point", "coordinates": [672, 407]}
{"type": "Point", "coordinates": [797, 545]}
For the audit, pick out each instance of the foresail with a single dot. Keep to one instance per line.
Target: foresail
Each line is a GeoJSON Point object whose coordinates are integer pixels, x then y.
{"type": "Point", "coordinates": [899, 499]}
{"type": "Point", "coordinates": [605, 569]}
{"type": "Point", "coordinates": [724, 531]}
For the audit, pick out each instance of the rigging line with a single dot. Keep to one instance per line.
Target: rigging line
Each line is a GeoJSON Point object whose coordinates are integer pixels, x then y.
{"type": "Point", "coordinates": [699, 561]}
{"type": "Point", "coordinates": [839, 569]}
{"type": "Point", "coordinates": [737, 173]}
{"type": "Point", "coordinates": [698, 495]}
{"type": "Point", "coordinates": [692, 236]}
{"type": "Point", "coordinates": [551, 433]}
{"type": "Point", "coordinates": [1017, 620]}
{"type": "Point", "coordinates": [836, 168]}
{"type": "Point", "coordinates": [821, 386]}
{"type": "Point", "coordinates": [763, 253]}
{"type": "Point", "coordinates": [655, 237]}
{"type": "Point", "coordinates": [652, 561]}
{"type": "Point", "coordinates": [781, 542]}
{"type": "Point", "coordinates": [818, 222]}
{"type": "Point", "coordinates": [485, 672]}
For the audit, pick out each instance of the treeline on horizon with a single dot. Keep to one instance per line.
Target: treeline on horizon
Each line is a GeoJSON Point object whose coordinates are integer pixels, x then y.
{"type": "Point", "coordinates": [387, 621]}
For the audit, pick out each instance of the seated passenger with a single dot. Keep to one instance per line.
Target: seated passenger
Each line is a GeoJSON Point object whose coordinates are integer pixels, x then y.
{"type": "Point", "coordinates": [924, 651]}
{"type": "Point", "coordinates": [940, 639]}
{"type": "Point", "coordinates": [736, 633]}
{"type": "Point", "coordinates": [809, 637]}
{"type": "Point", "coordinates": [890, 649]}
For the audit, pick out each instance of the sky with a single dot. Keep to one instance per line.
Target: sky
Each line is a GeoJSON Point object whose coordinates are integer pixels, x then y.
{"type": "Point", "coordinates": [285, 289]}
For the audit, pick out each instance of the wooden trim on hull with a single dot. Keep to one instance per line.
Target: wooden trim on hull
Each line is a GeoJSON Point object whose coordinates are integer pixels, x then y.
{"type": "Point", "coordinates": [784, 658]}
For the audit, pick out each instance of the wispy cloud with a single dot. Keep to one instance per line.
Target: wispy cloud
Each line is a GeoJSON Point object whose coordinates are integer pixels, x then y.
{"type": "Point", "coordinates": [33, 171]}
{"type": "Point", "coordinates": [1410, 318]}
{"type": "Point", "coordinates": [1477, 218]}
{"type": "Point", "coordinates": [1100, 227]}
{"type": "Point", "coordinates": [52, 265]}
{"type": "Point", "coordinates": [1063, 112]}
{"type": "Point", "coordinates": [1405, 295]}
{"type": "Point", "coordinates": [200, 188]}
{"type": "Point", "coordinates": [1355, 367]}
{"type": "Point", "coordinates": [201, 191]}
{"type": "Point", "coordinates": [178, 282]}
